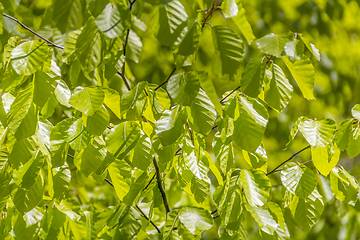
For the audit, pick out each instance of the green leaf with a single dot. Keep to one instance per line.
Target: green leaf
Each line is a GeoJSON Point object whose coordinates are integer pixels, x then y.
{"type": "Point", "coordinates": [183, 88]}
{"type": "Point", "coordinates": [97, 123]}
{"type": "Point", "coordinates": [344, 186]}
{"type": "Point", "coordinates": [355, 111]}
{"type": "Point", "coordinates": [170, 125]}
{"type": "Point", "coordinates": [229, 48]}
{"type": "Point", "coordinates": [5, 178]}
{"type": "Point", "coordinates": [310, 46]}
{"type": "Point", "coordinates": [44, 87]}
{"type": "Point", "coordinates": [67, 16]}
{"type": "Point", "coordinates": [29, 56]}
{"type": "Point", "coordinates": [325, 158]}
{"type": "Point", "coordinates": [209, 88]}
{"type": "Point", "coordinates": [168, 22]}
{"type": "Point", "coordinates": [25, 200]}
{"type": "Point", "coordinates": [202, 113]}
{"type": "Point", "coordinates": [110, 21]}
{"type": "Point", "coordinates": [318, 133]}
{"type": "Point", "coordinates": [251, 124]}
{"type": "Point", "coordinates": [26, 176]}
{"type": "Point", "coordinates": [190, 41]}
{"type": "Point", "coordinates": [112, 101]}
{"type": "Point", "coordinates": [272, 44]}
{"type": "Point", "coordinates": [252, 77]}
{"type": "Point", "coordinates": [224, 154]}
{"type": "Point", "coordinates": [263, 218]}
{"type": "Point", "coordinates": [120, 173]}
{"type": "Point", "coordinates": [90, 158]}
{"type": "Point", "coordinates": [304, 74]}
{"type": "Point", "coordinates": [87, 100]}
{"type": "Point", "coordinates": [63, 93]}
{"type": "Point", "coordinates": [243, 24]}
{"type": "Point", "coordinates": [343, 135]}
{"type": "Point", "coordinates": [280, 90]}
{"type": "Point", "coordinates": [196, 220]}
{"type": "Point", "coordinates": [307, 211]}
{"type": "Point", "coordinates": [142, 152]}
{"type": "Point", "coordinates": [256, 185]}
{"type": "Point", "coordinates": [257, 160]}
{"type": "Point", "coordinates": [61, 178]}
{"type": "Point", "coordinates": [229, 8]}
{"type": "Point", "coordinates": [229, 199]}
{"type": "Point", "coordinates": [88, 46]}
{"type": "Point", "coordinates": [70, 46]}
{"type": "Point", "coordinates": [23, 115]}
{"type": "Point", "coordinates": [129, 99]}
{"type": "Point", "coordinates": [299, 180]}
{"type": "Point", "coordinates": [134, 47]}
{"type": "Point", "coordinates": [122, 139]}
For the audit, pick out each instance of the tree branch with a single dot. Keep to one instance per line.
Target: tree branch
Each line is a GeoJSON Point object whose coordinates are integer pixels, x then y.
{"type": "Point", "coordinates": [144, 216]}
{"type": "Point", "coordinates": [160, 185]}
{"type": "Point", "coordinates": [125, 80]}
{"type": "Point", "coordinates": [147, 185]}
{"type": "Point", "coordinates": [222, 100]}
{"type": "Point", "coordinates": [292, 156]}
{"type": "Point", "coordinates": [33, 32]}
{"type": "Point", "coordinates": [139, 209]}
{"type": "Point", "coordinates": [165, 80]}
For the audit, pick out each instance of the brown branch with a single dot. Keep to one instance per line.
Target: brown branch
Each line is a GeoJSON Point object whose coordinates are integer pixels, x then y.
{"type": "Point", "coordinates": [125, 80]}
{"type": "Point", "coordinates": [131, 4]}
{"type": "Point", "coordinates": [222, 100]}
{"type": "Point", "coordinates": [33, 32]}
{"type": "Point", "coordinates": [165, 80]}
{"type": "Point", "coordinates": [69, 155]}
{"type": "Point", "coordinates": [147, 185]}
{"type": "Point", "coordinates": [292, 156]}
{"type": "Point", "coordinates": [160, 186]}
{"type": "Point", "coordinates": [139, 209]}
{"type": "Point", "coordinates": [144, 216]}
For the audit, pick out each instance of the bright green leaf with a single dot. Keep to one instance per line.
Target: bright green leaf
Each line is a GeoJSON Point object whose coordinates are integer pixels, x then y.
{"type": "Point", "coordinates": [196, 220]}
{"type": "Point", "coordinates": [304, 74]}
{"type": "Point", "coordinates": [256, 185]}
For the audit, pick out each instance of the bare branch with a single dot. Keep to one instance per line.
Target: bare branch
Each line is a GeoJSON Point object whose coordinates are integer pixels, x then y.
{"type": "Point", "coordinates": [292, 156]}
{"type": "Point", "coordinates": [165, 80]}
{"type": "Point", "coordinates": [160, 185]}
{"type": "Point", "coordinates": [222, 100]}
{"type": "Point", "coordinates": [33, 32]}
{"type": "Point", "coordinates": [144, 216]}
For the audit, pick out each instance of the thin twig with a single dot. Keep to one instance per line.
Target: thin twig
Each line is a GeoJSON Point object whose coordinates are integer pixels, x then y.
{"type": "Point", "coordinates": [147, 185]}
{"type": "Point", "coordinates": [216, 216]}
{"type": "Point", "coordinates": [32, 31]}
{"type": "Point", "coordinates": [109, 182]}
{"type": "Point", "coordinates": [125, 45]}
{"type": "Point", "coordinates": [292, 156]}
{"type": "Point", "coordinates": [144, 216]}
{"type": "Point", "coordinates": [160, 185]}
{"type": "Point", "coordinates": [210, 12]}
{"type": "Point", "coordinates": [215, 211]}
{"type": "Point", "coordinates": [139, 209]}
{"type": "Point", "coordinates": [125, 80]}
{"type": "Point", "coordinates": [69, 155]}
{"type": "Point", "coordinates": [165, 80]}
{"type": "Point", "coordinates": [222, 100]}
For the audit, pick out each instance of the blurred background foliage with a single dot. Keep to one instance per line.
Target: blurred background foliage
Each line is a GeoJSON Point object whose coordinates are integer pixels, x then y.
{"type": "Point", "coordinates": [332, 25]}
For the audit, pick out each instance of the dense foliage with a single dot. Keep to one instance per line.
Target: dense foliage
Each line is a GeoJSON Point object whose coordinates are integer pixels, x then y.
{"type": "Point", "coordinates": [179, 119]}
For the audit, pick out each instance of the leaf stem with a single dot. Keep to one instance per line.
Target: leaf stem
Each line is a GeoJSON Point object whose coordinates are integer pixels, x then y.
{"type": "Point", "coordinates": [147, 185]}
{"type": "Point", "coordinates": [222, 100]}
{"type": "Point", "coordinates": [166, 79]}
{"type": "Point", "coordinates": [160, 186]}
{"type": "Point", "coordinates": [292, 156]}
{"type": "Point", "coordinates": [33, 32]}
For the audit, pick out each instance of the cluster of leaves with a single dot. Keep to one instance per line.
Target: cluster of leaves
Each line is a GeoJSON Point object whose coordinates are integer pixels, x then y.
{"type": "Point", "coordinates": [167, 150]}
